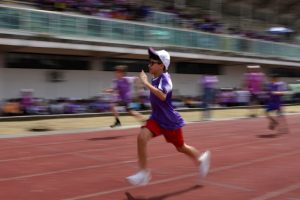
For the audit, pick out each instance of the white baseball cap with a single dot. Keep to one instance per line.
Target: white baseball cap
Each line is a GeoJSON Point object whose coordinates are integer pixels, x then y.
{"type": "Point", "coordinates": [163, 55]}
{"type": "Point", "coordinates": [253, 66]}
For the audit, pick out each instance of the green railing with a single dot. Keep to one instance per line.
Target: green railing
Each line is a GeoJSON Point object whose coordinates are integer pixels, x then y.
{"type": "Point", "coordinates": [62, 24]}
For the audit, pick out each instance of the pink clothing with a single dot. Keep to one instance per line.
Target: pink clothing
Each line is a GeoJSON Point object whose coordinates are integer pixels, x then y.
{"type": "Point", "coordinates": [26, 101]}
{"type": "Point", "coordinates": [255, 82]}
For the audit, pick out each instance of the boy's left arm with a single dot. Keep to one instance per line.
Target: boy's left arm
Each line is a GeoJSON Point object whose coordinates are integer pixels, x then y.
{"type": "Point", "coordinates": [162, 96]}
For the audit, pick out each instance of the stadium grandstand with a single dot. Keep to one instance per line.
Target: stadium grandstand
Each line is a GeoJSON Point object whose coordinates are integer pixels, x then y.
{"type": "Point", "coordinates": [67, 49]}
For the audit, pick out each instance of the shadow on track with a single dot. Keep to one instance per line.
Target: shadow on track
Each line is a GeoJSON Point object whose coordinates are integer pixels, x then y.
{"type": "Point", "coordinates": [163, 196]}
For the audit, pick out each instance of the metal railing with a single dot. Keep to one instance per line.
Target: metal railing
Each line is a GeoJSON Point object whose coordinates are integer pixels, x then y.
{"type": "Point", "coordinates": [72, 25]}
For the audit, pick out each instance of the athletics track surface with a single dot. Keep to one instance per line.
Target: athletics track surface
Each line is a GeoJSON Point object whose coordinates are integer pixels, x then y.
{"type": "Point", "coordinates": [248, 162]}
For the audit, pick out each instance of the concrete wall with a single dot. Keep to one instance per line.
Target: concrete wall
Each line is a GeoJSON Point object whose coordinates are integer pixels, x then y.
{"type": "Point", "coordinates": [232, 76]}
{"type": "Point", "coordinates": [1, 76]}
{"type": "Point", "coordinates": [76, 84]}
{"type": "Point", "coordinates": [84, 84]}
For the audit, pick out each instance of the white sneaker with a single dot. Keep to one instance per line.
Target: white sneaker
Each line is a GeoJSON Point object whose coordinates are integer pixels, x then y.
{"type": "Point", "coordinates": [141, 178]}
{"type": "Point", "coordinates": [204, 164]}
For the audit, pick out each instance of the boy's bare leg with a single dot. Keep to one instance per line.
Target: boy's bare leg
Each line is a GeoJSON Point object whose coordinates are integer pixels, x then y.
{"type": "Point", "coordinates": [137, 115]}
{"type": "Point", "coordinates": [202, 162]}
{"type": "Point", "coordinates": [143, 176]}
{"type": "Point", "coordinates": [282, 126]}
{"type": "Point", "coordinates": [114, 110]}
{"type": "Point", "coordinates": [273, 122]}
{"type": "Point", "coordinates": [142, 140]}
{"type": "Point", "coordinates": [191, 152]}
{"type": "Point", "coordinates": [253, 110]}
{"type": "Point", "coordinates": [252, 107]}
{"type": "Point", "coordinates": [116, 115]}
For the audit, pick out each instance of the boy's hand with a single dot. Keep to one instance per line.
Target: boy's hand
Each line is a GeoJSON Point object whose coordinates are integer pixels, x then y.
{"type": "Point", "coordinates": [108, 90]}
{"type": "Point", "coordinates": [143, 77]}
{"type": "Point", "coordinates": [279, 93]}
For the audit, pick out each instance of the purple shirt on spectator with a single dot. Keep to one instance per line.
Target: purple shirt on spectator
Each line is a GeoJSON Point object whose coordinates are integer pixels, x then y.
{"type": "Point", "coordinates": [26, 101]}
{"type": "Point", "coordinates": [163, 111]}
{"type": "Point", "coordinates": [209, 81]}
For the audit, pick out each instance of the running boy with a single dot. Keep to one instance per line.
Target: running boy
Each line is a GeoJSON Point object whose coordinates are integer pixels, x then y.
{"type": "Point", "coordinates": [122, 85]}
{"type": "Point", "coordinates": [164, 120]}
{"type": "Point", "coordinates": [276, 89]}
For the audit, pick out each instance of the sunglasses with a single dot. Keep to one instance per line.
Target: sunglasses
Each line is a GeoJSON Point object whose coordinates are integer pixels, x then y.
{"type": "Point", "coordinates": [151, 62]}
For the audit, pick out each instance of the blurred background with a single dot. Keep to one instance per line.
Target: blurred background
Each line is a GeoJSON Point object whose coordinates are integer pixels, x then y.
{"type": "Point", "coordinates": [57, 56]}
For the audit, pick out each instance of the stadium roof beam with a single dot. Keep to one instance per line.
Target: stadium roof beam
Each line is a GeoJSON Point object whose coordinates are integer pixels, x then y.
{"type": "Point", "coordinates": [264, 3]}
{"type": "Point", "coordinates": [139, 52]}
{"type": "Point", "coordinates": [285, 6]}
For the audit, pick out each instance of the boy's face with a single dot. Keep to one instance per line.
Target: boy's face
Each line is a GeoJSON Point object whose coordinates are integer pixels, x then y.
{"type": "Point", "coordinates": [274, 79]}
{"type": "Point", "coordinates": [155, 66]}
{"type": "Point", "coordinates": [119, 74]}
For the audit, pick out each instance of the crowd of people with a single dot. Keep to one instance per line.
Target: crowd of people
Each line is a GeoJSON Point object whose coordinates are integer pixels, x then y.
{"type": "Point", "coordinates": [181, 17]}
{"type": "Point", "coordinates": [210, 95]}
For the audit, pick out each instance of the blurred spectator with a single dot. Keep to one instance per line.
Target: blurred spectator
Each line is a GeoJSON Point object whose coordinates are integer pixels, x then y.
{"type": "Point", "coordinates": [254, 81]}
{"type": "Point", "coordinates": [242, 97]}
{"type": "Point", "coordinates": [56, 107]}
{"type": "Point", "coordinates": [26, 100]}
{"type": "Point", "coordinates": [208, 84]}
{"type": "Point", "coordinates": [226, 97]}
{"type": "Point", "coordinates": [12, 107]}
{"type": "Point", "coordinates": [184, 17]}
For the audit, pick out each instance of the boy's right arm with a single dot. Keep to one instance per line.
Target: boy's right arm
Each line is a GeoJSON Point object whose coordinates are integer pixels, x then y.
{"type": "Point", "coordinates": [108, 90]}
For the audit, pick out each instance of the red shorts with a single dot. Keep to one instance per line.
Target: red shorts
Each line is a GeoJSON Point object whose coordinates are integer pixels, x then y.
{"type": "Point", "coordinates": [173, 136]}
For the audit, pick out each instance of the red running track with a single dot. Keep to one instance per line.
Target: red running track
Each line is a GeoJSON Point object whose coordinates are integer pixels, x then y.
{"type": "Point", "coordinates": [247, 163]}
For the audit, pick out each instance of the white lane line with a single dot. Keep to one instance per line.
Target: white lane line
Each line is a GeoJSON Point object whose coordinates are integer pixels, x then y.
{"type": "Point", "coordinates": [122, 128]}
{"type": "Point", "coordinates": [189, 130]}
{"type": "Point", "coordinates": [40, 144]}
{"type": "Point", "coordinates": [110, 164]}
{"type": "Point", "coordinates": [207, 136]}
{"type": "Point", "coordinates": [229, 186]}
{"type": "Point", "coordinates": [127, 146]}
{"type": "Point", "coordinates": [237, 165]}
{"type": "Point", "coordinates": [66, 153]}
{"type": "Point", "coordinates": [60, 171]}
{"type": "Point", "coordinates": [78, 131]}
{"type": "Point", "coordinates": [276, 193]}
{"type": "Point", "coordinates": [66, 132]}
